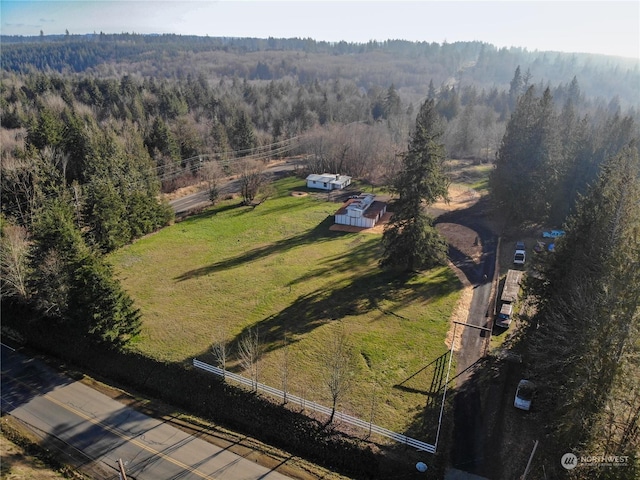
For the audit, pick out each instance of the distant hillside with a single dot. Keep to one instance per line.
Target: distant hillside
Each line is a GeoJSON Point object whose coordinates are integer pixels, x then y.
{"type": "Point", "coordinates": [409, 66]}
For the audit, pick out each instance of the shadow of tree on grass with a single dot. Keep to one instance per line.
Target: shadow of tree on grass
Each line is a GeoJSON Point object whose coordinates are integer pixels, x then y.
{"type": "Point", "coordinates": [361, 295]}
{"type": "Point", "coordinates": [318, 234]}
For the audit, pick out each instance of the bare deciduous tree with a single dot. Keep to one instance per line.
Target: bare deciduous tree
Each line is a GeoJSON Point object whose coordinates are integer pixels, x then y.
{"type": "Point", "coordinates": [220, 350]}
{"type": "Point", "coordinates": [360, 150]}
{"type": "Point", "coordinates": [339, 368]}
{"type": "Point", "coordinates": [252, 179]}
{"type": "Point", "coordinates": [249, 353]}
{"type": "Point", "coordinates": [284, 366]}
{"type": "Point", "coordinates": [19, 177]}
{"type": "Point", "coordinates": [14, 248]}
{"type": "Point", "coordinates": [211, 173]}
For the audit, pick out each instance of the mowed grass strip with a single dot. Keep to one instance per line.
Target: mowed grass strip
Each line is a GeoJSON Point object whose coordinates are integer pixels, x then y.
{"type": "Point", "coordinates": [280, 269]}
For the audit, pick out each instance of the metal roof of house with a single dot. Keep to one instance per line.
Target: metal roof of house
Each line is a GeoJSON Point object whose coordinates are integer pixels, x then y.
{"type": "Point", "coordinates": [328, 177]}
{"type": "Point", "coordinates": [372, 210]}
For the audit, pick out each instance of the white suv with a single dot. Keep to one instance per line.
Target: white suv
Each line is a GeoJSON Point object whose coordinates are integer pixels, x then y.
{"type": "Point", "coordinates": [520, 256]}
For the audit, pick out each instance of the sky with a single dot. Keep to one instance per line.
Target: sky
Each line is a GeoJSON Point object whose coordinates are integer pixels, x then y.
{"type": "Point", "coordinates": [605, 27]}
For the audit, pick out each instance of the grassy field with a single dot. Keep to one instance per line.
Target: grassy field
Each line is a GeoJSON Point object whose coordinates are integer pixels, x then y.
{"type": "Point", "coordinates": [24, 458]}
{"type": "Point", "coordinates": [470, 174]}
{"type": "Point", "coordinates": [280, 269]}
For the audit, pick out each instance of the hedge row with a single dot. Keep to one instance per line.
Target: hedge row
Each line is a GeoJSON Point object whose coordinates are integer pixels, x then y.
{"type": "Point", "coordinates": [205, 396]}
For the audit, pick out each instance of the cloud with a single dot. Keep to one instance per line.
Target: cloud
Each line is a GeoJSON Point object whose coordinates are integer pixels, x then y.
{"type": "Point", "coordinates": [22, 25]}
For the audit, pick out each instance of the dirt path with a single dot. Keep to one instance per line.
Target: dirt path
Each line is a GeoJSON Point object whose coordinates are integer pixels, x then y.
{"type": "Point", "coordinates": [473, 252]}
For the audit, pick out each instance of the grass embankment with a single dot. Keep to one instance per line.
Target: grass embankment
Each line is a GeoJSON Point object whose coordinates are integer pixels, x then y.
{"type": "Point", "coordinates": [23, 457]}
{"type": "Point", "coordinates": [280, 268]}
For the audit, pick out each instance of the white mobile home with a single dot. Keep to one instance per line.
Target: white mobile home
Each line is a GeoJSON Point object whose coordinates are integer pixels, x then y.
{"type": "Point", "coordinates": [328, 181]}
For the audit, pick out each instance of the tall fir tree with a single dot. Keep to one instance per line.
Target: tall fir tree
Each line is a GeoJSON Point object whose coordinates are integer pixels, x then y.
{"type": "Point", "coordinates": [72, 284]}
{"type": "Point", "coordinates": [161, 139]}
{"type": "Point", "coordinates": [431, 92]}
{"type": "Point", "coordinates": [410, 241]}
{"type": "Point", "coordinates": [392, 102]}
{"type": "Point", "coordinates": [242, 137]}
{"type": "Point", "coordinates": [585, 348]}
{"type": "Point", "coordinates": [529, 162]}
{"type": "Point", "coordinates": [515, 87]}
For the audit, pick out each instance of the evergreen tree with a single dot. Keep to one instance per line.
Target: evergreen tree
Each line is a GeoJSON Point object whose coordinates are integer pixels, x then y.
{"type": "Point", "coordinates": [392, 102]}
{"type": "Point", "coordinates": [410, 241]}
{"type": "Point", "coordinates": [106, 214]}
{"type": "Point", "coordinates": [122, 189]}
{"type": "Point", "coordinates": [573, 95]}
{"type": "Point", "coordinates": [57, 247]}
{"type": "Point", "coordinates": [99, 307]}
{"type": "Point", "coordinates": [589, 313]}
{"type": "Point", "coordinates": [464, 135]}
{"type": "Point", "coordinates": [161, 139]}
{"type": "Point", "coordinates": [73, 285]}
{"type": "Point", "coordinates": [46, 130]}
{"type": "Point", "coordinates": [431, 92]}
{"type": "Point", "coordinates": [76, 145]}
{"type": "Point", "coordinates": [448, 104]}
{"type": "Point", "coordinates": [529, 163]}
{"type": "Point", "coordinates": [219, 138]}
{"type": "Point", "coordinates": [516, 87]}
{"type": "Point", "coordinates": [545, 163]}
{"type": "Point", "coordinates": [242, 138]}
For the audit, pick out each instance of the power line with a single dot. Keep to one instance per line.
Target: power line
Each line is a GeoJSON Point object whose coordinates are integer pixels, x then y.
{"type": "Point", "coordinates": [193, 164]}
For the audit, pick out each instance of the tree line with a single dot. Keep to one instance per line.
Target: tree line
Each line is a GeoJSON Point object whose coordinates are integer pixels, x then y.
{"type": "Point", "coordinates": [583, 341]}
{"type": "Point", "coordinates": [560, 168]}
{"type": "Point", "coordinates": [74, 188]}
{"type": "Point", "coordinates": [549, 154]}
{"type": "Point", "coordinates": [555, 166]}
{"type": "Point", "coordinates": [403, 63]}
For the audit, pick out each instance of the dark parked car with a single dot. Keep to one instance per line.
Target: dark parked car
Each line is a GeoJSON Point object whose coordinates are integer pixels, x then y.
{"type": "Point", "coordinates": [524, 395]}
{"type": "Point", "coordinates": [520, 256]}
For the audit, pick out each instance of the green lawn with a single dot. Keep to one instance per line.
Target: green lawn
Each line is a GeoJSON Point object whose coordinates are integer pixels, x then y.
{"type": "Point", "coordinates": [471, 175]}
{"type": "Point", "coordinates": [279, 268]}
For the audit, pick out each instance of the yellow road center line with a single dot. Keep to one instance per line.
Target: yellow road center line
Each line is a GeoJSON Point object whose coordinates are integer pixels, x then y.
{"type": "Point", "coordinates": [111, 429]}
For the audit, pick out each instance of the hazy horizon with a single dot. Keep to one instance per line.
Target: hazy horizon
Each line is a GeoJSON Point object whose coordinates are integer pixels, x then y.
{"type": "Point", "coordinates": [600, 27]}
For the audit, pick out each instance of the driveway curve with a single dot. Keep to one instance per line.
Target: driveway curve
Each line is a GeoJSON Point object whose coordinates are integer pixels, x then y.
{"type": "Point", "coordinates": [470, 428]}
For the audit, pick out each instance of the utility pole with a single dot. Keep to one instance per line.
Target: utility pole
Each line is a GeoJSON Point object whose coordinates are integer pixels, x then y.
{"type": "Point", "coordinates": [122, 474]}
{"type": "Point", "coordinates": [446, 382]}
{"type": "Point", "coordinates": [526, 470]}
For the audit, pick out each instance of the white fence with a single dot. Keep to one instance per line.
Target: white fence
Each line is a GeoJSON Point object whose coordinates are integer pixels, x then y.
{"type": "Point", "coordinates": [343, 417]}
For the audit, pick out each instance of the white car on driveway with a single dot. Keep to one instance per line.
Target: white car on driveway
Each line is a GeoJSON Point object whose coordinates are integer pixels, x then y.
{"type": "Point", "coordinates": [521, 255]}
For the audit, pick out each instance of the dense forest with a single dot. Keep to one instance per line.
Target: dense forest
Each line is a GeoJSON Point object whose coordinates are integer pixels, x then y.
{"type": "Point", "coordinates": [407, 65]}
{"type": "Point", "coordinates": [582, 340]}
{"type": "Point", "coordinates": [95, 128]}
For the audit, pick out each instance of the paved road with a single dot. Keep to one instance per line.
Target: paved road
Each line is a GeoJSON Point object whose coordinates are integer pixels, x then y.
{"type": "Point", "coordinates": [104, 430]}
{"type": "Point", "coordinates": [183, 205]}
